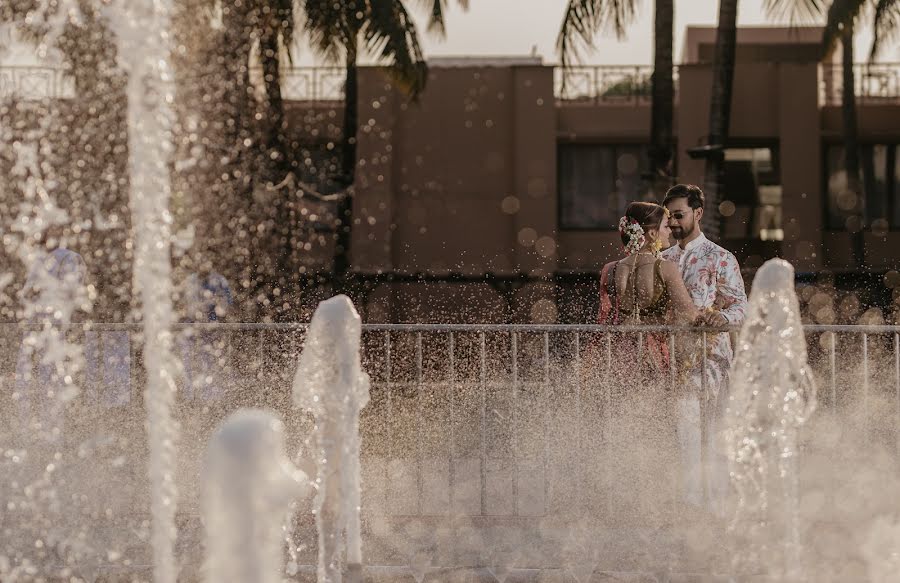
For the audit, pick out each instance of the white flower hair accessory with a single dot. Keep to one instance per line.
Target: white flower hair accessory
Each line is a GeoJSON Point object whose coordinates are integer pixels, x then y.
{"type": "Point", "coordinates": [635, 233]}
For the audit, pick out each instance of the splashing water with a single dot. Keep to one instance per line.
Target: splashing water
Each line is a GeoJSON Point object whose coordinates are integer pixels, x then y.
{"type": "Point", "coordinates": [145, 58]}
{"type": "Point", "coordinates": [140, 29]}
{"type": "Point", "coordinates": [581, 570]}
{"type": "Point", "coordinates": [772, 395]}
{"type": "Point", "coordinates": [249, 485]}
{"type": "Point", "coordinates": [503, 562]}
{"type": "Point", "coordinates": [331, 384]}
{"type": "Point", "coordinates": [421, 561]}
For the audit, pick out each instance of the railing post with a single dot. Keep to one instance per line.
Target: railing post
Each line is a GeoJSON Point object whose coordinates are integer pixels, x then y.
{"type": "Point", "coordinates": [673, 388]}
{"type": "Point", "coordinates": [514, 350]}
{"type": "Point", "coordinates": [704, 423]}
{"type": "Point", "coordinates": [865, 349]}
{"type": "Point", "coordinates": [580, 427]}
{"type": "Point", "coordinates": [390, 418]}
{"type": "Point", "coordinates": [897, 386]}
{"type": "Point", "coordinates": [607, 423]}
{"type": "Point", "coordinates": [420, 413]}
{"type": "Point", "coordinates": [451, 476]}
{"type": "Point", "coordinates": [546, 382]}
{"type": "Point", "coordinates": [832, 359]}
{"type": "Point", "coordinates": [483, 375]}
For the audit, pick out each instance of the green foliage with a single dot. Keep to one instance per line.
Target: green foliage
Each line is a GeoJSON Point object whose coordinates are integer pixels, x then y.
{"type": "Point", "coordinates": [343, 31]}
{"type": "Point", "coordinates": [584, 19]}
{"type": "Point", "coordinates": [634, 86]}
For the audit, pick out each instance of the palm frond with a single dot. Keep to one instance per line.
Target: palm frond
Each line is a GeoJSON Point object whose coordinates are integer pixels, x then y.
{"type": "Point", "coordinates": [841, 13]}
{"type": "Point", "coordinates": [795, 11]}
{"type": "Point", "coordinates": [327, 27]}
{"type": "Point", "coordinates": [284, 20]}
{"type": "Point", "coordinates": [886, 24]}
{"type": "Point", "coordinates": [584, 19]}
{"type": "Point", "coordinates": [436, 9]}
{"type": "Point", "coordinates": [436, 16]}
{"type": "Point", "coordinates": [390, 36]}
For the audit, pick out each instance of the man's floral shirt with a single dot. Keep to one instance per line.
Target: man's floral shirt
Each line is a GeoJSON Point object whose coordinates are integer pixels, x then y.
{"type": "Point", "coordinates": [713, 279]}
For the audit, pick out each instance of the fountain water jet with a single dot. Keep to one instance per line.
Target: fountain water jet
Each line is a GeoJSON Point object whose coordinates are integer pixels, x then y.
{"type": "Point", "coordinates": [332, 386]}
{"type": "Point", "coordinates": [140, 29]}
{"type": "Point", "coordinates": [421, 562]}
{"type": "Point", "coordinates": [249, 485]}
{"type": "Point", "coordinates": [145, 58]}
{"type": "Point", "coordinates": [503, 561]}
{"type": "Point", "coordinates": [772, 396]}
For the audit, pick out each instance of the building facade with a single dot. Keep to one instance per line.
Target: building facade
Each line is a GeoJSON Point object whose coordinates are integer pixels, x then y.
{"type": "Point", "coordinates": [502, 185]}
{"type": "Point", "coordinates": [495, 196]}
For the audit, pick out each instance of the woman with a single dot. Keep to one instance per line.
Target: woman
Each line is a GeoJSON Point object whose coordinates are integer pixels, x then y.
{"type": "Point", "coordinates": [53, 292]}
{"type": "Point", "coordinates": [642, 288]}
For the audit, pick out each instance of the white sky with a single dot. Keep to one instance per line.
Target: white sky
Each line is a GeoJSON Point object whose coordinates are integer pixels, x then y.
{"type": "Point", "coordinates": [513, 27]}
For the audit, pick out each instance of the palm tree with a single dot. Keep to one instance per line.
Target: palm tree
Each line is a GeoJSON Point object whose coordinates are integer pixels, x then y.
{"type": "Point", "coordinates": [268, 27]}
{"type": "Point", "coordinates": [840, 25]}
{"type": "Point", "coordinates": [275, 24]}
{"type": "Point", "coordinates": [584, 19]}
{"type": "Point", "coordinates": [842, 19]}
{"type": "Point", "coordinates": [885, 20]}
{"type": "Point", "coordinates": [345, 31]}
{"type": "Point", "coordinates": [719, 111]}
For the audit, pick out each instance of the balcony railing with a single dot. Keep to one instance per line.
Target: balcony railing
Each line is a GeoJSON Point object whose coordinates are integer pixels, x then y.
{"type": "Point", "coordinates": [626, 85]}
{"type": "Point", "coordinates": [875, 83]}
{"type": "Point", "coordinates": [311, 84]}
{"type": "Point", "coordinates": [35, 83]}
{"type": "Point", "coordinates": [630, 85]}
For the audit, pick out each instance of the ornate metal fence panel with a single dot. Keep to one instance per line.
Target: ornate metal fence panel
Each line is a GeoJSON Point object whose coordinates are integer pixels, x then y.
{"type": "Point", "coordinates": [34, 83]}
{"type": "Point", "coordinates": [625, 85]}
{"type": "Point", "coordinates": [313, 84]}
{"type": "Point", "coordinates": [874, 83]}
{"type": "Point", "coordinates": [465, 419]}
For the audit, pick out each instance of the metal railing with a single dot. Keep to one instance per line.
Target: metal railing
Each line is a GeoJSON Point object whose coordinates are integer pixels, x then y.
{"type": "Point", "coordinates": [462, 417]}
{"type": "Point", "coordinates": [35, 83]}
{"type": "Point", "coordinates": [875, 83]}
{"type": "Point", "coordinates": [602, 84]}
{"type": "Point", "coordinates": [311, 84]}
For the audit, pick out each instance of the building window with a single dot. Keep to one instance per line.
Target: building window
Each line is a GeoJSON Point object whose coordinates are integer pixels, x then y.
{"type": "Point", "coordinates": [878, 205]}
{"type": "Point", "coordinates": [751, 194]}
{"type": "Point", "coordinates": [596, 183]}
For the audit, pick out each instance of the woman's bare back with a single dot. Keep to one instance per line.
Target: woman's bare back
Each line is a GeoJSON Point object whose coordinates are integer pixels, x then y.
{"type": "Point", "coordinates": [642, 291]}
{"type": "Point", "coordinates": [653, 290]}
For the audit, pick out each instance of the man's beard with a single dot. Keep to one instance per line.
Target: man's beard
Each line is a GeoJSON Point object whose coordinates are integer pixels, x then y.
{"type": "Point", "coordinates": [680, 233]}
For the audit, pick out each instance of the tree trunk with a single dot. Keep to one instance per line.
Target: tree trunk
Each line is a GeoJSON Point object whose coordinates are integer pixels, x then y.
{"type": "Point", "coordinates": [344, 217]}
{"type": "Point", "coordinates": [663, 99]}
{"type": "Point", "coordinates": [276, 164]}
{"type": "Point", "coordinates": [851, 142]}
{"type": "Point", "coordinates": [225, 124]}
{"type": "Point", "coordinates": [720, 112]}
{"type": "Point", "coordinates": [271, 66]}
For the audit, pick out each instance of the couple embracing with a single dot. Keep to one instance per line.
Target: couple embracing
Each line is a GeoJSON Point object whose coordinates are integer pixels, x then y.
{"type": "Point", "coordinates": [692, 282]}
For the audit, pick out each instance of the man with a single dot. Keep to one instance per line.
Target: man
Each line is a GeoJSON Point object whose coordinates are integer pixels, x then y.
{"type": "Point", "coordinates": [713, 279]}
{"type": "Point", "coordinates": [208, 299]}
{"type": "Point", "coordinates": [53, 291]}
